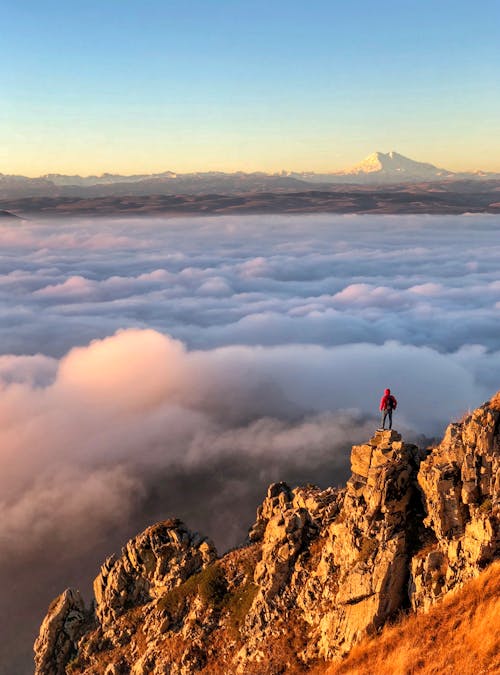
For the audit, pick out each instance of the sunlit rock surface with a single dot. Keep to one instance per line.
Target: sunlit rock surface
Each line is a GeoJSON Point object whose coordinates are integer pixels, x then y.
{"type": "Point", "coordinates": [60, 631]}
{"type": "Point", "coordinates": [460, 482]}
{"type": "Point", "coordinates": [321, 567]}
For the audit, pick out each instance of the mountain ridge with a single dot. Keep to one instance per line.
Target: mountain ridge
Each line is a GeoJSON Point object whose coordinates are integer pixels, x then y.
{"type": "Point", "coordinates": [377, 168]}
{"type": "Point", "coordinates": [321, 569]}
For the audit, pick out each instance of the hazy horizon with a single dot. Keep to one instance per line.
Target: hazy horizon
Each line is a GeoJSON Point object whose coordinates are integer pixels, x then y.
{"type": "Point", "coordinates": [95, 88]}
{"type": "Point", "coordinates": [194, 170]}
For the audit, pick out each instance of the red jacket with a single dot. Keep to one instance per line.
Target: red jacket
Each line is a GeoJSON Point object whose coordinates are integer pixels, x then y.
{"type": "Point", "coordinates": [385, 399]}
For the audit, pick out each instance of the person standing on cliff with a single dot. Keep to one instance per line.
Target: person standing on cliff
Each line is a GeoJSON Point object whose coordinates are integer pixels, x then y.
{"type": "Point", "coordinates": [388, 403]}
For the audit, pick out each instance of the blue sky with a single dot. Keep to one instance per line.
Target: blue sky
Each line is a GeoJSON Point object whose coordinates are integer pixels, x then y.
{"type": "Point", "coordinates": [126, 86]}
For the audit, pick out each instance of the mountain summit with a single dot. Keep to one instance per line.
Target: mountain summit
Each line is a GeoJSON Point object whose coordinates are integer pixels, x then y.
{"type": "Point", "coordinates": [391, 166]}
{"type": "Point", "coordinates": [321, 568]}
{"type": "Point", "coordinates": [377, 168]}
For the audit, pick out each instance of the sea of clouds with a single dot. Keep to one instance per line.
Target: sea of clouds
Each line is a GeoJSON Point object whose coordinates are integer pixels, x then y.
{"type": "Point", "coordinates": [158, 367]}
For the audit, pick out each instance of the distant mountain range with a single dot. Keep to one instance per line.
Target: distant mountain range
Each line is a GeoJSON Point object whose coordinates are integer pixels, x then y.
{"type": "Point", "coordinates": [391, 167]}
{"type": "Point", "coordinates": [377, 169]}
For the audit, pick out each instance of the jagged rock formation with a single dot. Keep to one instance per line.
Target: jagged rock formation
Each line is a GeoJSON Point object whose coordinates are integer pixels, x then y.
{"type": "Point", "coordinates": [460, 482]}
{"type": "Point", "coordinates": [320, 570]}
{"type": "Point", "coordinates": [369, 544]}
{"type": "Point", "coordinates": [59, 632]}
{"type": "Point", "coordinates": [151, 564]}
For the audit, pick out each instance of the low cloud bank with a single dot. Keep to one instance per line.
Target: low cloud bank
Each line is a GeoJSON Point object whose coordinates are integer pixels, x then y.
{"type": "Point", "coordinates": [84, 438]}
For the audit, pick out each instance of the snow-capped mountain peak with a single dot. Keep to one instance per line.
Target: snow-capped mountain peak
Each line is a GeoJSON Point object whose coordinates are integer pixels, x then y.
{"type": "Point", "coordinates": [393, 165]}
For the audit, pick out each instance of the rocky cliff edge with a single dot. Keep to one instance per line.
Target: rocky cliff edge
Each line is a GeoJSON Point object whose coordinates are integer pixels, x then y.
{"type": "Point", "coordinates": [321, 568]}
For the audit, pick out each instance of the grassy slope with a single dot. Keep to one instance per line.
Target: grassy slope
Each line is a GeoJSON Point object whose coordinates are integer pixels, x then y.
{"type": "Point", "coordinates": [460, 635]}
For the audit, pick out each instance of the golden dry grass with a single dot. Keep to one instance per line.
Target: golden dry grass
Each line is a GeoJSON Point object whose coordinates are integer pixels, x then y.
{"type": "Point", "coordinates": [461, 635]}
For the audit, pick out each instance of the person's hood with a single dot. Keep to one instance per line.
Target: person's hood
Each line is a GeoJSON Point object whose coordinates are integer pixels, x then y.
{"type": "Point", "coordinates": [387, 392]}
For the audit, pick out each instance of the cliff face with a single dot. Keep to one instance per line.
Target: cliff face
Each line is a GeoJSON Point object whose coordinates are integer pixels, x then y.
{"type": "Point", "coordinates": [320, 570]}
{"type": "Point", "coordinates": [460, 483]}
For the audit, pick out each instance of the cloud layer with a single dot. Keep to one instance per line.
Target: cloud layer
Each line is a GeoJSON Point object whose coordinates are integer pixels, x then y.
{"type": "Point", "coordinates": [329, 280]}
{"type": "Point", "coordinates": [153, 368]}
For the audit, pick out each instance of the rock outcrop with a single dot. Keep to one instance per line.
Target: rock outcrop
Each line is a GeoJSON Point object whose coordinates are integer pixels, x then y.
{"type": "Point", "coordinates": [366, 549]}
{"type": "Point", "coordinates": [460, 483]}
{"type": "Point", "coordinates": [60, 631]}
{"type": "Point", "coordinates": [151, 564]}
{"type": "Point", "coordinates": [321, 568]}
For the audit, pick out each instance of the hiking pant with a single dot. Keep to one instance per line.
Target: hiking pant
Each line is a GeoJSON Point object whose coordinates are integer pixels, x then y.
{"type": "Point", "coordinates": [386, 413]}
